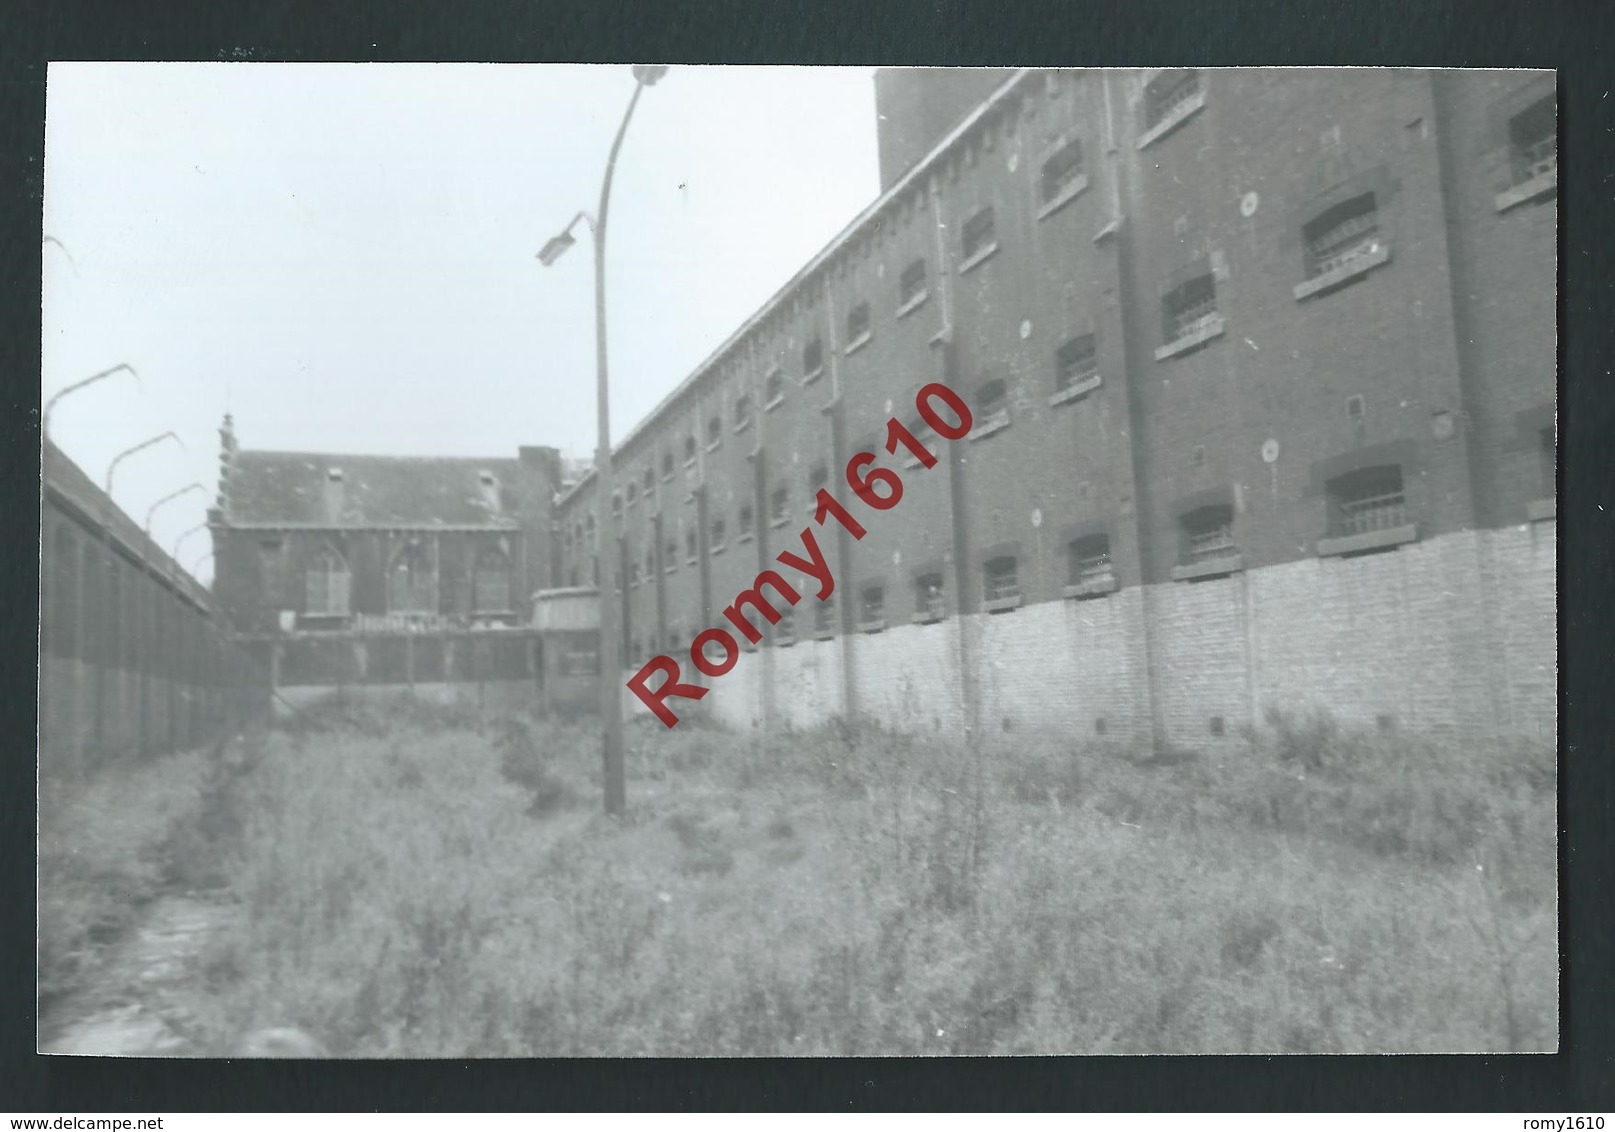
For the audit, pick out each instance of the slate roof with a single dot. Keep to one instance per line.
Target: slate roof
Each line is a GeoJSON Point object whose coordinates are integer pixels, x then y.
{"type": "Point", "coordinates": [421, 491]}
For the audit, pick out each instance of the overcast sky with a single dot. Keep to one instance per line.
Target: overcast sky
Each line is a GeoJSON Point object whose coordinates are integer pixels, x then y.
{"type": "Point", "coordinates": [343, 255]}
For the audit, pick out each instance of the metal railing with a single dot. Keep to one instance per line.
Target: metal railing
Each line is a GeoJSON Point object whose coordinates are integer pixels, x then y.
{"type": "Point", "coordinates": [1372, 513]}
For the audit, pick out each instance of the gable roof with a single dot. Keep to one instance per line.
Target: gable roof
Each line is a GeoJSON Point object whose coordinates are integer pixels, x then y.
{"type": "Point", "coordinates": [291, 488]}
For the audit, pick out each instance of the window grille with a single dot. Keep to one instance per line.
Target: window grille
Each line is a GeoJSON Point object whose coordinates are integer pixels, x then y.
{"type": "Point", "coordinates": [1090, 560]}
{"type": "Point", "coordinates": [742, 408]}
{"type": "Point", "coordinates": [1075, 361]}
{"type": "Point", "coordinates": [781, 504]}
{"type": "Point", "coordinates": [978, 233]}
{"type": "Point", "coordinates": [1166, 92]}
{"type": "Point", "coordinates": [911, 284]}
{"type": "Point", "coordinates": [930, 601]}
{"type": "Point", "coordinates": [1533, 136]}
{"type": "Point", "coordinates": [1001, 579]}
{"type": "Point", "coordinates": [872, 604]}
{"type": "Point", "coordinates": [812, 357]}
{"type": "Point", "coordinates": [1209, 534]}
{"type": "Point", "coordinates": [992, 407]}
{"type": "Point", "coordinates": [327, 584]}
{"type": "Point", "coordinates": [492, 582]}
{"type": "Point", "coordinates": [774, 386]}
{"type": "Point", "coordinates": [1345, 232]}
{"type": "Point", "coordinates": [718, 534]}
{"type": "Point", "coordinates": [785, 629]}
{"type": "Point", "coordinates": [1062, 170]}
{"type": "Point", "coordinates": [745, 520]}
{"type": "Point", "coordinates": [1190, 307]}
{"type": "Point", "coordinates": [1369, 500]}
{"type": "Point", "coordinates": [824, 616]}
{"type": "Point", "coordinates": [857, 323]}
{"type": "Point", "coordinates": [411, 582]}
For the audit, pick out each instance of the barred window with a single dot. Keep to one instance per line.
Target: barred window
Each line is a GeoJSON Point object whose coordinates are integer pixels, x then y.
{"type": "Point", "coordinates": [719, 534]}
{"type": "Point", "coordinates": [857, 323]}
{"type": "Point", "coordinates": [491, 585]}
{"type": "Point", "coordinates": [327, 584]}
{"type": "Point", "coordinates": [1189, 307]}
{"type": "Point", "coordinates": [714, 430]}
{"type": "Point", "coordinates": [812, 358]}
{"type": "Point", "coordinates": [667, 465]}
{"type": "Point", "coordinates": [991, 408]}
{"type": "Point", "coordinates": [1366, 500]}
{"type": "Point", "coordinates": [978, 236]}
{"type": "Point", "coordinates": [1534, 140]}
{"type": "Point", "coordinates": [746, 520]}
{"type": "Point", "coordinates": [689, 449]}
{"type": "Point", "coordinates": [1090, 560]}
{"type": "Point", "coordinates": [1061, 171]}
{"type": "Point", "coordinates": [671, 561]}
{"type": "Point", "coordinates": [1076, 360]}
{"type": "Point", "coordinates": [1348, 231]}
{"type": "Point", "coordinates": [1166, 93]}
{"type": "Point", "coordinates": [784, 629]}
{"type": "Point", "coordinates": [1208, 534]}
{"type": "Point", "coordinates": [742, 409]}
{"type": "Point", "coordinates": [824, 616]}
{"type": "Point", "coordinates": [911, 290]}
{"type": "Point", "coordinates": [691, 552]}
{"type": "Point", "coordinates": [781, 505]}
{"type": "Point", "coordinates": [930, 601]}
{"type": "Point", "coordinates": [872, 605]}
{"type": "Point", "coordinates": [773, 387]}
{"type": "Point", "coordinates": [1001, 579]}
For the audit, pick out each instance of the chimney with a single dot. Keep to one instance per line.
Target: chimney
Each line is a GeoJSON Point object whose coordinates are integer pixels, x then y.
{"type": "Point", "coordinates": [227, 454]}
{"type": "Point", "coordinates": [335, 495]}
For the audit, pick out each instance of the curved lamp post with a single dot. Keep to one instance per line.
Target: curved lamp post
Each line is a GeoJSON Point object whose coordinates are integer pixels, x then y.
{"type": "Point", "coordinates": [112, 468]}
{"type": "Point", "coordinates": [173, 495]}
{"type": "Point", "coordinates": [616, 789]}
{"type": "Point", "coordinates": [195, 565]}
{"type": "Point", "coordinates": [77, 385]}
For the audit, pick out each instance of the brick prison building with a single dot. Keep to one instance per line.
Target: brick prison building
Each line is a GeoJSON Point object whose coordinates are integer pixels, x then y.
{"type": "Point", "coordinates": [1262, 371]}
{"type": "Point", "coordinates": [347, 571]}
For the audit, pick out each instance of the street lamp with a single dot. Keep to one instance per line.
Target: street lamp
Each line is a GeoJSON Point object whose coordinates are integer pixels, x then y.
{"type": "Point", "coordinates": [77, 385]}
{"type": "Point", "coordinates": [615, 776]}
{"type": "Point", "coordinates": [180, 541]}
{"type": "Point", "coordinates": [141, 447]}
{"type": "Point", "coordinates": [198, 563]}
{"type": "Point", "coordinates": [186, 490]}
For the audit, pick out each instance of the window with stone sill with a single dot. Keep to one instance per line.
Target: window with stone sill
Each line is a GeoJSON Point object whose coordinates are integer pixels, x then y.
{"type": "Point", "coordinates": [911, 287]}
{"type": "Point", "coordinates": [689, 450]}
{"type": "Point", "coordinates": [784, 630]}
{"type": "Point", "coordinates": [719, 535]}
{"type": "Point", "coordinates": [690, 547]}
{"type": "Point", "coordinates": [745, 526]}
{"type": "Point", "coordinates": [1533, 138]}
{"type": "Point", "coordinates": [773, 389]}
{"type": "Point", "coordinates": [672, 558]}
{"type": "Point", "coordinates": [780, 506]}
{"type": "Point", "coordinates": [1090, 563]}
{"type": "Point", "coordinates": [1208, 535]}
{"type": "Point", "coordinates": [714, 431]}
{"type": "Point", "coordinates": [616, 505]}
{"type": "Point", "coordinates": [1001, 584]}
{"type": "Point", "coordinates": [326, 585]}
{"type": "Point", "coordinates": [1189, 310]}
{"type": "Point", "coordinates": [812, 359]}
{"type": "Point", "coordinates": [979, 237]}
{"type": "Point", "coordinates": [1062, 174]}
{"type": "Point", "coordinates": [1167, 94]}
{"type": "Point", "coordinates": [991, 409]}
{"type": "Point", "coordinates": [818, 478]}
{"type": "Point", "coordinates": [1366, 501]}
{"type": "Point", "coordinates": [490, 588]}
{"type": "Point", "coordinates": [930, 600]}
{"type": "Point", "coordinates": [633, 492]}
{"type": "Point", "coordinates": [1075, 361]}
{"type": "Point", "coordinates": [742, 411]}
{"type": "Point", "coordinates": [858, 326]}
{"type": "Point", "coordinates": [650, 563]}
{"type": "Point", "coordinates": [927, 437]}
{"type": "Point", "coordinates": [824, 617]}
{"type": "Point", "coordinates": [872, 607]}
{"type": "Point", "coordinates": [667, 465]}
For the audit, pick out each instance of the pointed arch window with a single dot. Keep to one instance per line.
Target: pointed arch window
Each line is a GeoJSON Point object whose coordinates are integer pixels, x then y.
{"type": "Point", "coordinates": [491, 582]}
{"type": "Point", "coordinates": [326, 584]}
{"type": "Point", "coordinates": [411, 582]}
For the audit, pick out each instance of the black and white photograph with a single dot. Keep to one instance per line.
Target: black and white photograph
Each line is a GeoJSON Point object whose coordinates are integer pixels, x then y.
{"type": "Point", "coordinates": [695, 561]}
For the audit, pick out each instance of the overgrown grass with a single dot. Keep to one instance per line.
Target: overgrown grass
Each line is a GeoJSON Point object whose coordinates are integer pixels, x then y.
{"type": "Point", "coordinates": [432, 890]}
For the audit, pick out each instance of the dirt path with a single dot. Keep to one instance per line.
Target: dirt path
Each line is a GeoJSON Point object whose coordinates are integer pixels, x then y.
{"type": "Point", "coordinates": [134, 1004]}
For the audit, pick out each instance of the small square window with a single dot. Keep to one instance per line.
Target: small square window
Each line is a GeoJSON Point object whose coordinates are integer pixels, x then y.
{"type": "Point", "coordinates": [650, 478]}
{"type": "Point", "coordinates": [857, 326]}
{"type": "Point", "coordinates": [780, 506]}
{"type": "Point", "coordinates": [1367, 500]}
{"type": "Point", "coordinates": [667, 465]}
{"type": "Point", "coordinates": [911, 289]}
{"type": "Point", "coordinates": [812, 359]}
{"type": "Point", "coordinates": [784, 629]}
{"type": "Point", "coordinates": [1001, 585]}
{"type": "Point", "coordinates": [746, 522]}
{"type": "Point", "coordinates": [672, 559]}
{"type": "Point", "coordinates": [1062, 173]}
{"type": "Point", "coordinates": [818, 479]}
{"type": "Point", "coordinates": [689, 450]}
{"type": "Point", "coordinates": [978, 238]}
{"type": "Point", "coordinates": [719, 534]}
{"type": "Point", "coordinates": [691, 548]}
{"type": "Point", "coordinates": [1075, 361]}
{"type": "Point", "coordinates": [714, 431]}
{"type": "Point", "coordinates": [1090, 561]}
{"type": "Point", "coordinates": [1208, 535]}
{"type": "Point", "coordinates": [930, 599]}
{"type": "Point", "coordinates": [773, 389]}
{"type": "Point", "coordinates": [742, 410]}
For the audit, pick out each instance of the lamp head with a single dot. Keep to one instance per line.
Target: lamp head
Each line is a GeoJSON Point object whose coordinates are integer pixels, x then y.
{"type": "Point", "coordinates": [557, 245]}
{"type": "Point", "coordinates": [649, 76]}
